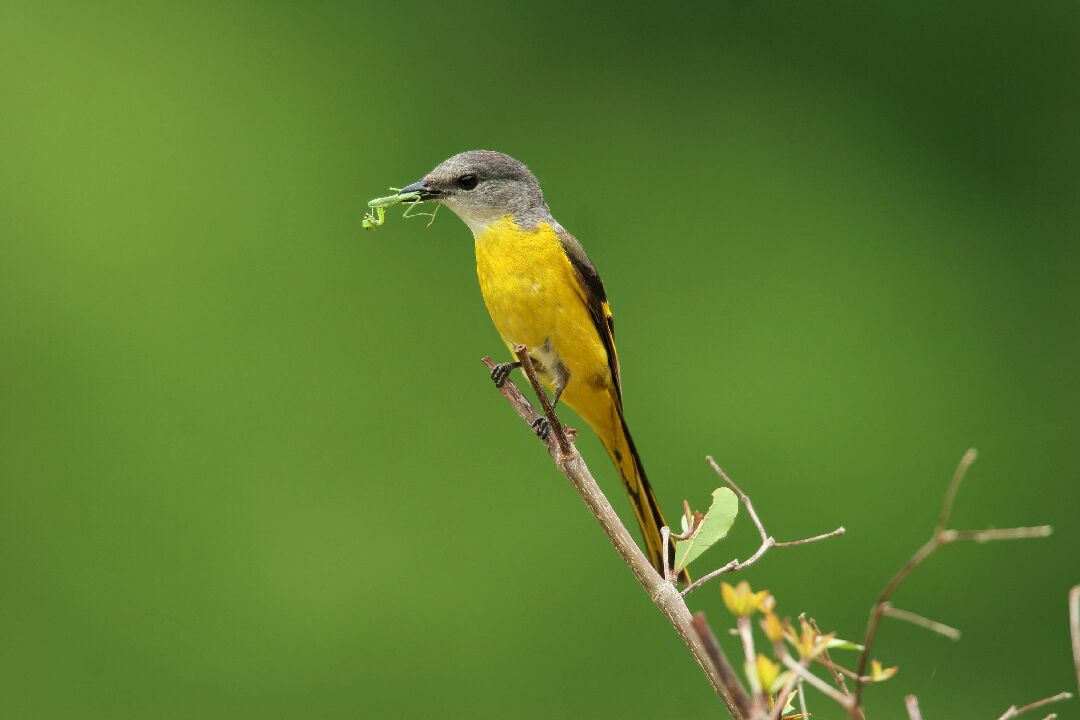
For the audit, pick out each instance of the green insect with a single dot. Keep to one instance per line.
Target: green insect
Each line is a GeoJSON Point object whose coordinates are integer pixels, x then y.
{"type": "Point", "coordinates": [377, 217]}
{"type": "Point", "coordinates": [374, 220]}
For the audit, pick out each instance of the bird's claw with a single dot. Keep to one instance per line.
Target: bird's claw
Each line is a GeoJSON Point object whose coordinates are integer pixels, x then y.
{"type": "Point", "coordinates": [501, 372]}
{"type": "Point", "coordinates": [541, 426]}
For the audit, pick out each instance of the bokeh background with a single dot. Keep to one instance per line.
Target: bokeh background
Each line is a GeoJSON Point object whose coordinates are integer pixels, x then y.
{"type": "Point", "coordinates": [251, 467]}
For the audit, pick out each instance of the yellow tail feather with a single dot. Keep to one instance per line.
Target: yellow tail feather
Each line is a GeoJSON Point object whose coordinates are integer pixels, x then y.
{"type": "Point", "coordinates": [620, 447]}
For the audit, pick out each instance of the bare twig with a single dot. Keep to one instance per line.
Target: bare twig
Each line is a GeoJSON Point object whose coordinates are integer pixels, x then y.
{"type": "Point", "coordinates": [782, 697]}
{"type": "Point", "coordinates": [1014, 711]}
{"type": "Point", "coordinates": [941, 536]}
{"type": "Point", "coordinates": [848, 673]}
{"type": "Point", "coordinates": [827, 660]}
{"type": "Point", "coordinates": [722, 664]}
{"type": "Point", "coordinates": [758, 698]}
{"type": "Point", "coordinates": [743, 497]}
{"type": "Point", "coordinates": [665, 533]}
{"type": "Point", "coordinates": [805, 541]}
{"type": "Point", "coordinates": [954, 488]}
{"type": "Point", "coordinates": [982, 536]}
{"type": "Point", "coordinates": [663, 593]}
{"type": "Point", "coordinates": [931, 625]}
{"type": "Point", "coordinates": [802, 702]}
{"type": "Point", "coordinates": [799, 669]}
{"type": "Point", "coordinates": [1074, 628]}
{"type": "Point", "coordinates": [767, 541]}
{"type": "Point", "coordinates": [912, 704]}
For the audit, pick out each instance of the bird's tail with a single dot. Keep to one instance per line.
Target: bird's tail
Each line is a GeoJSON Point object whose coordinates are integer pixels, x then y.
{"type": "Point", "coordinates": [620, 447]}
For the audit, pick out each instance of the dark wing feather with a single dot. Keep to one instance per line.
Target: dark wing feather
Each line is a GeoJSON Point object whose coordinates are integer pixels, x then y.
{"type": "Point", "coordinates": [595, 298]}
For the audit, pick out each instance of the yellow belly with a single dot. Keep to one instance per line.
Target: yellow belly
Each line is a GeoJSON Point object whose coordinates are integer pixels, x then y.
{"type": "Point", "coordinates": [533, 295]}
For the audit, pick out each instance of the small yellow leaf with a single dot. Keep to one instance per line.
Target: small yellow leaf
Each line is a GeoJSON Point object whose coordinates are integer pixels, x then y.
{"type": "Point", "coordinates": [880, 674]}
{"type": "Point", "coordinates": [741, 600]}
{"type": "Point", "coordinates": [807, 640]}
{"type": "Point", "coordinates": [767, 671]}
{"type": "Point", "coordinates": [773, 628]}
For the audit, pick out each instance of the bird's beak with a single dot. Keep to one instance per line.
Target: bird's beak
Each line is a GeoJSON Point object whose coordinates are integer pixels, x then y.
{"type": "Point", "coordinates": [426, 193]}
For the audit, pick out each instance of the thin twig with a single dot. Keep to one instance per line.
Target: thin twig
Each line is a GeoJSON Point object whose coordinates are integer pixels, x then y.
{"type": "Point", "coordinates": [693, 522]}
{"type": "Point", "coordinates": [782, 697]}
{"type": "Point", "coordinates": [665, 533]}
{"type": "Point", "coordinates": [802, 702]}
{"type": "Point", "coordinates": [923, 622]}
{"type": "Point", "coordinates": [1014, 711]}
{"type": "Point", "coordinates": [982, 536]}
{"type": "Point", "coordinates": [816, 538]}
{"type": "Point", "coordinates": [849, 673]}
{"type": "Point", "coordinates": [743, 497]}
{"type": "Point", "coordinates": [941, 536]}
{"type": "Point", "coordinates": [663, 593]}
{"type": "Point", "coordinates": [757, 692]}
{"type": "Point", "coordinates": [767, 541]}
{"type": "Point", "coordinates": [827, 660]}
{"type": "Point", "coordinates": [843, 700]}
{"type": "Point", "coordinates": [912, 704]}
{"type": "Point", "coordinates": [722, 664]}
{"type": "Point", "coordinates": [954, 487]}
{"type": "Point", "coordinates": [1074, 628]}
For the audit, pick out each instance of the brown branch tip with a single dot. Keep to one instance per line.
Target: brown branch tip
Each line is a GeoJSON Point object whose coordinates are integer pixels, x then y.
{"type": "Point", "coordinates": [941, 536]}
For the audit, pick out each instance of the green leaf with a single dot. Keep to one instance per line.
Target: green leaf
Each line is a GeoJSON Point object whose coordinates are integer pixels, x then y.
{"type": "Point", "coordinates": [838, 644]}
{"type": "Point", "coordinates": [713, 528]}
{"type": "Point", "coordinates": [789, 706]}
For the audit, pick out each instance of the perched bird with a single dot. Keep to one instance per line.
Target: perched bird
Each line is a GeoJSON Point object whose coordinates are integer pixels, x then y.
{"type": "Point", "coordinates": [543, 292]}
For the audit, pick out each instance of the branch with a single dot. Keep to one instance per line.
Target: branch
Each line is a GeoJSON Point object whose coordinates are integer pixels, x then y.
{"type": "Point", "coordinates": [522, 354]}
{"type": "Point", "coordinates": [912, 704]}
{"type": "Point", "coordinates": [826, 660]}
{"type": "Point", "coordinates": [805, 541]}
{"type": "Point", "coordinates": [782, 697]}
{"type": "Point", "coordinates": [767, 541]}
{"type": "Point", "coordinates": [663, 594]}
{"type": "Point", "coordinates": [722, 664]}
{"type": "Point", "coordinates": [982, 536]}
{"type": "Point", "coordinates": [1014, 711]}
{"type": "Point", "coordinates": [954, 487]}
{"type": "Point", "coordinates": [845, 671]}
{"type": "Point", "coordinates": [843, 701]}
{"type": "Point", "coordinates": [931, 625]}
{"type": "Point", "coordinates": [759, 696]}
{"type": "Point", "coordinates": [1074, 627]}
{"type": "Point", "coordinates": [941, 536]}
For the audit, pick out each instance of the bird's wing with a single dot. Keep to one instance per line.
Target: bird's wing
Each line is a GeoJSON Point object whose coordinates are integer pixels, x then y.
{"type": "Point", "coordinates": [595, 298]}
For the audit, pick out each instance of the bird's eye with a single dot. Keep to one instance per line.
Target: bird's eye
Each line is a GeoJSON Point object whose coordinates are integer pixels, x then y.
{"type": "Point", "coordinates": [467, 182]}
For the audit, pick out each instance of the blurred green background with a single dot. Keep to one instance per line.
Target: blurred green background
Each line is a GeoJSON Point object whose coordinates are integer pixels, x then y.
{"type": "Point", "coordinates": [250, 465]}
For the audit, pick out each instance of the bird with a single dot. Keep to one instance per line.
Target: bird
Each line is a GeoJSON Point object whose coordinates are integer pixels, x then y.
{"type": "Point", "coordinates": [542, 291]}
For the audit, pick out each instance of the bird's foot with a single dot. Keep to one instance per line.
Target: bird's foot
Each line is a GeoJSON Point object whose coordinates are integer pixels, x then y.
{"type": "Point", "coordinates": [501, 372]}
{"type": "Point", "coordinates": [541, 426]}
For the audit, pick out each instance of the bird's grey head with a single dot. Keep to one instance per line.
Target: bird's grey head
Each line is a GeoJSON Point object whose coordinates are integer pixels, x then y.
{"type": "Point", "coordinates": [481, 186]}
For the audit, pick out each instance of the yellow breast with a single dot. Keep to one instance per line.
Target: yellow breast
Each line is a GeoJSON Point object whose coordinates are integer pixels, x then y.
{"type": "Point", "coordinates": [527, 282]}
{"type": "Point", "coordinates": [535, 299]}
